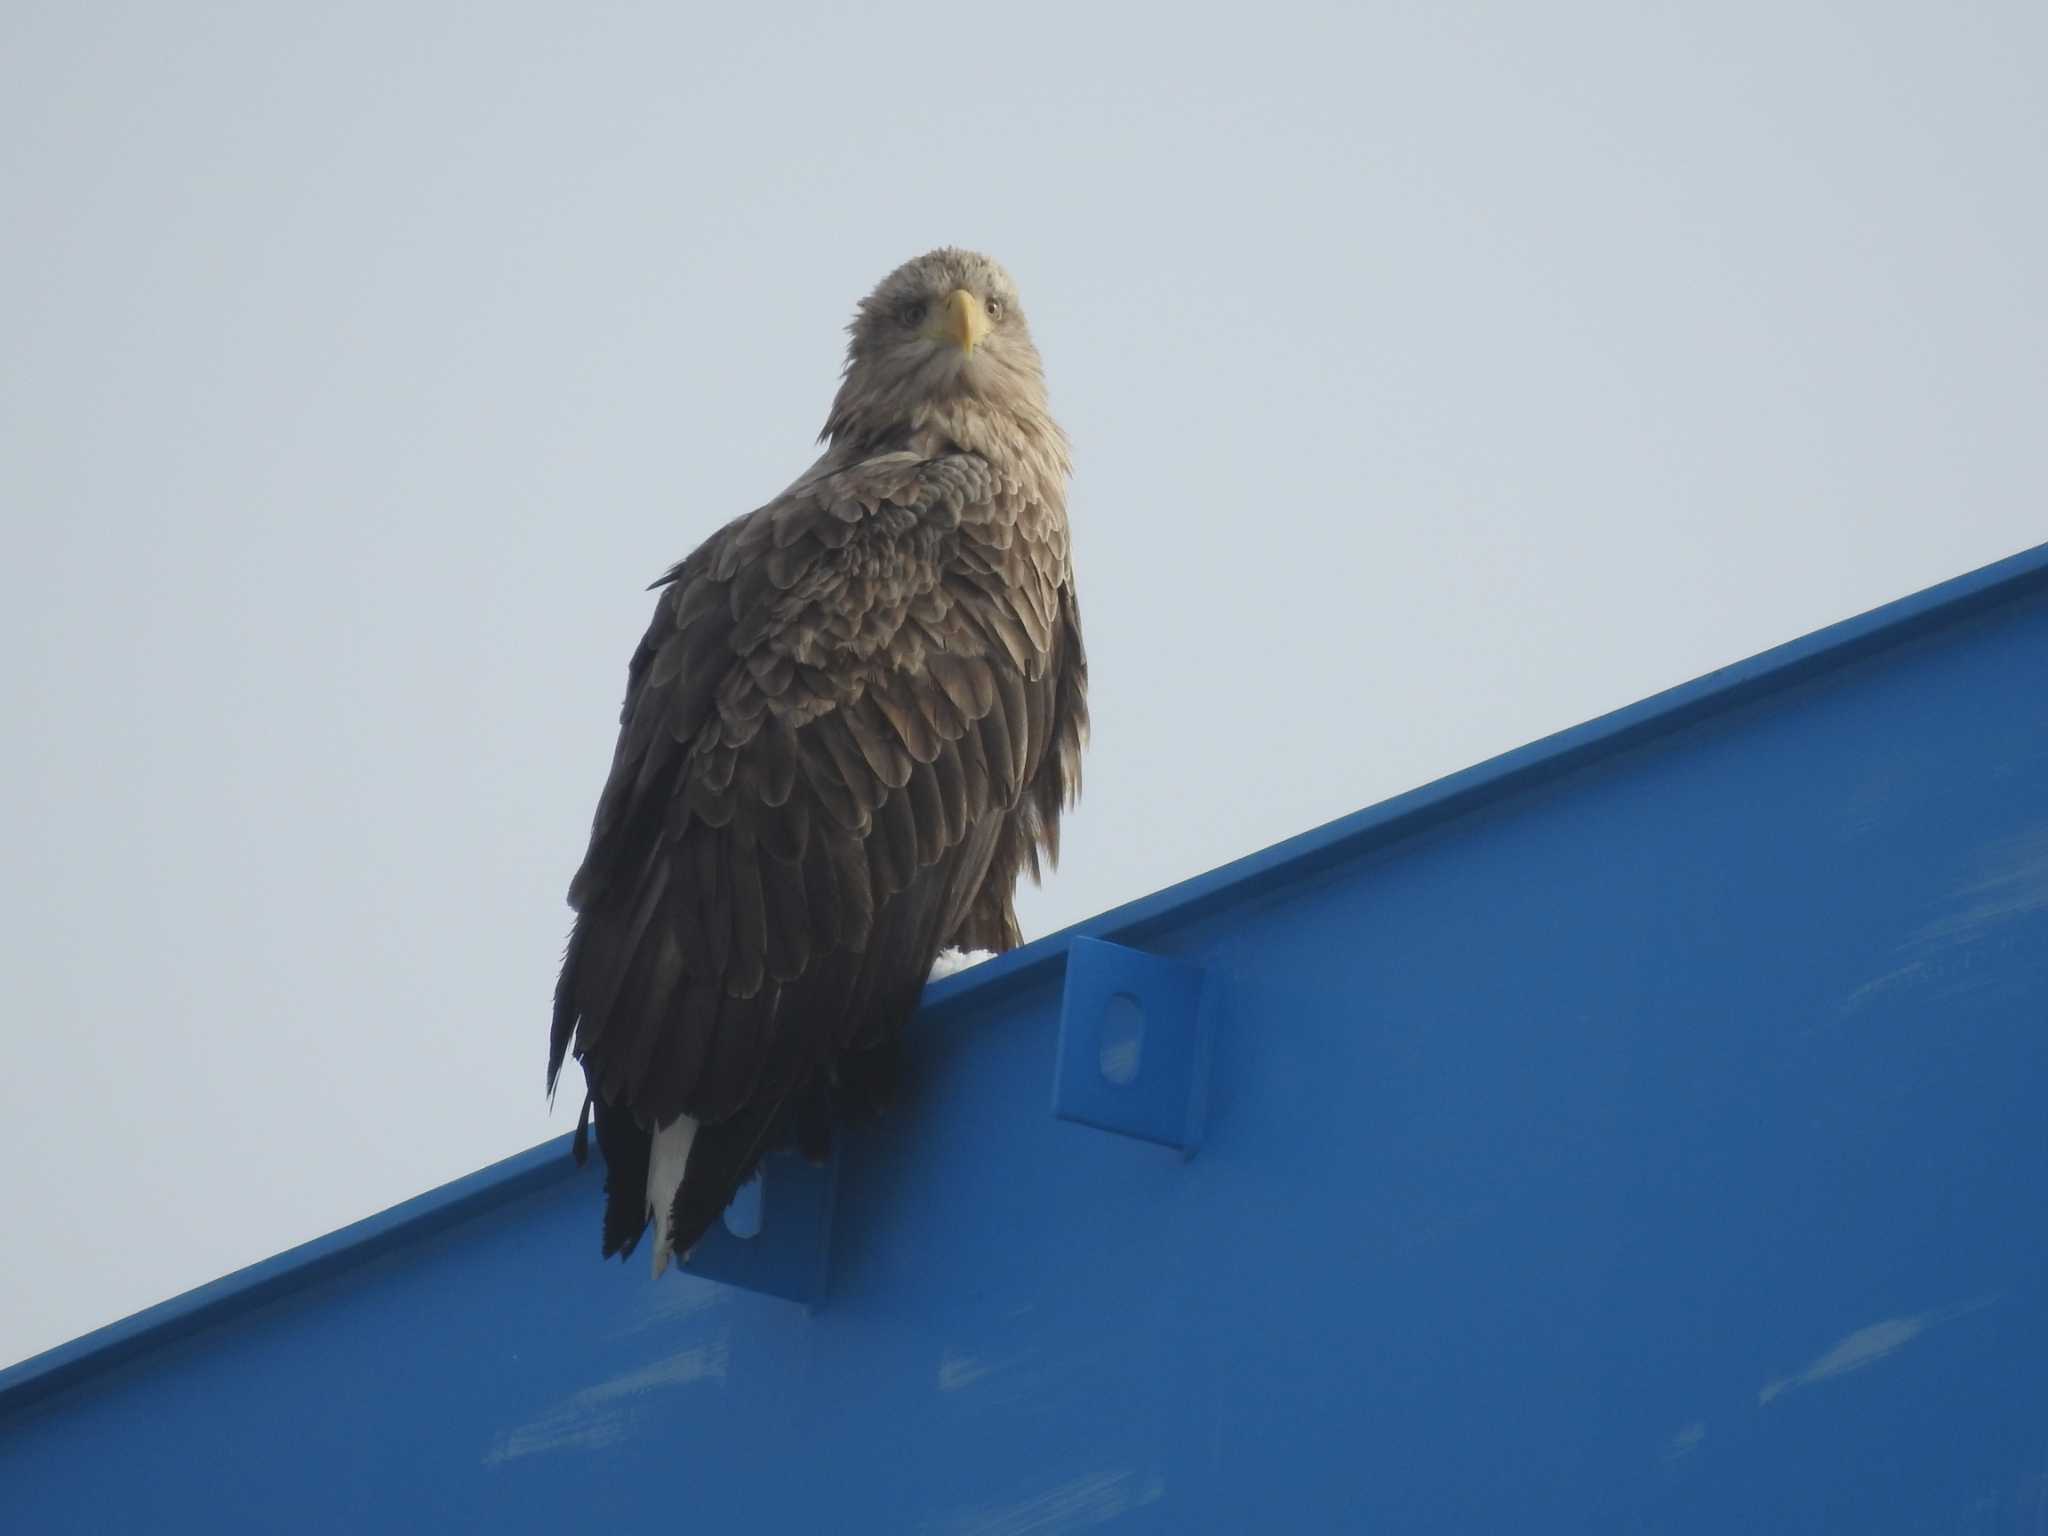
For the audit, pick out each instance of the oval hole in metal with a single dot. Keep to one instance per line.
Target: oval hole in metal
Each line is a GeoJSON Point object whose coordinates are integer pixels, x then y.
{"type": "Point", "coordinates": [743, 1215]}
{"type": "Point", "coordinates": [1123, 1038]}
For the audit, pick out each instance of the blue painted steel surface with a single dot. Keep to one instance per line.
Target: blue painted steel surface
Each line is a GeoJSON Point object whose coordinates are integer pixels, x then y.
{"type": "Point", "coordinates": [1646, 1131]}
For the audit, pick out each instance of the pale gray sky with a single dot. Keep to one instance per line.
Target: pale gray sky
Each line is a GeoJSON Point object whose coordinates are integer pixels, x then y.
{"type": "Point", "coordinates": [1439, 377]}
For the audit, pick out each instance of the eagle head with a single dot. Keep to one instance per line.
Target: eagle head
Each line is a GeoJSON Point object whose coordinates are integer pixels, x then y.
{"type": "Point", "coordinates": [941, 338]}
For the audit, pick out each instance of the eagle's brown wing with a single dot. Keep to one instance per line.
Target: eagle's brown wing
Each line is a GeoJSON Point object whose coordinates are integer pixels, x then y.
{"type": "Point", "coordinates": [844, 712]}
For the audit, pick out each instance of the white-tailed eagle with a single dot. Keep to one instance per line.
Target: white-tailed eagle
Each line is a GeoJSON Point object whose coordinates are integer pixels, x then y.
{"type": "Point", "coordinates": [853, 723]}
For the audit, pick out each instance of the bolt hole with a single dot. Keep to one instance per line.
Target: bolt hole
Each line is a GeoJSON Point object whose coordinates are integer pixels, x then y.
{"type": "Point", "coordinates": [1123, 1039]}
{"type": "Point", "coordinates": [743, 1215]}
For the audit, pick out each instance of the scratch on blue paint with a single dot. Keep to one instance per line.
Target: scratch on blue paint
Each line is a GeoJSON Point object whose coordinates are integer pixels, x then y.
{"type": "Point", "coordinates": [1093, 1499]}
{"type": "Point", "coordinates": [957, 1371]}
{"type": "Point", "coordinates": [2007, 883]}
{"type": "Point", "coordinates": [1685, 1442]}
{"type": "Point", "coordinates": [687, 1295]}
{"type": "Point", "coordinates": [2011, 881]}
{"type": "Point", "coordinates": [599, 1415]}
{"type": "Point", "coordinates": [1866, 1346]}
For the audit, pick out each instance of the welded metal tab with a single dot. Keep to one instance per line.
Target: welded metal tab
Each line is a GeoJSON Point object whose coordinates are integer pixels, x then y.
{"type": "Point", "coordinates": [1134, 1046]}
{"type": "Point", "coordinates": [776, 1235]}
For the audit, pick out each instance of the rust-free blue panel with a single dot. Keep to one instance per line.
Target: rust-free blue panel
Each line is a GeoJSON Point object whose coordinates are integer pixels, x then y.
{"type": "Point", "coordinates": [1658, 1144]}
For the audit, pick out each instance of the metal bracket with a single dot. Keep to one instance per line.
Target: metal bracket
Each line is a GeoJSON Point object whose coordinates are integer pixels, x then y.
{"type": "Point", "coordinates": [776, 1235]}
{"type": "Point", "coordinates": [1136, 1033]}
{"type": "Point", "coordinates": [1134, 1049]}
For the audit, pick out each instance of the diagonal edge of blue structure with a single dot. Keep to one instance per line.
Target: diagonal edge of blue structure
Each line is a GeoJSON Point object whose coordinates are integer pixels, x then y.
{"type": "Point", "coordinates": [1405, 815]}
{"type": "Point", "coordinates": [1526, 767]}
{"type": "Point", "coordinates": [340, 1250]}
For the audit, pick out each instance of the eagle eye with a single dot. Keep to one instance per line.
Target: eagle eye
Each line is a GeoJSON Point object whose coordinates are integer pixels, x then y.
{"type": "Point", "coordinates": [995, 308]}
{"type": "Point", "coordinates": [911, 311]}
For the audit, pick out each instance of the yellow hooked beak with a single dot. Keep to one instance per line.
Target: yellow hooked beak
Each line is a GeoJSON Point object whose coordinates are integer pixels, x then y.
{"type": "Point", "coordinates": [962, 320]}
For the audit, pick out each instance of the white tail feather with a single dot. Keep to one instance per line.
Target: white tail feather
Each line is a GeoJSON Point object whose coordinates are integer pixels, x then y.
{"type": "Point", "coordinates": [669, 1157]}
{"type": "Point", "coordinates": [666, 1161]}
{"type": "Point", "coordinates": [951, 962]}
